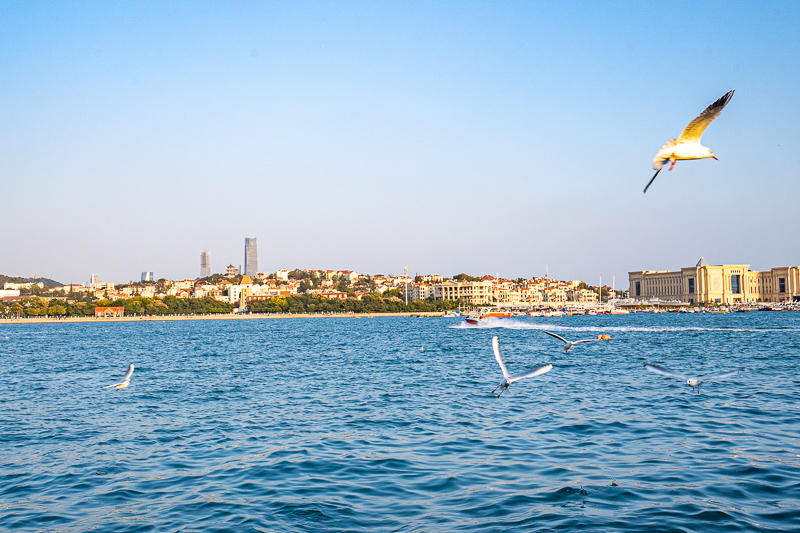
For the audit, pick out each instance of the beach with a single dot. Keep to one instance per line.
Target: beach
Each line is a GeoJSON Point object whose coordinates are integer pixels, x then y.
{"type": "Point", "coordinates": [238, 316]}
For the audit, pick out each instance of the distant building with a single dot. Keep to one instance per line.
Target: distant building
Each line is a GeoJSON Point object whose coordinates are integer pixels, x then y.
{"type": "Point", "coordinates": [10, 285]}
{"type": "Point", "coordinates": [109, 311]}
{"type": "Point", "coordinates": [722, 284]}
{"type": "Point", "coordinates": [205, 264]}
{"type": "Point", "coordinates": [96, 280]}
{"type": "Point", "coordinates": [147, 276]}
{"type": "Point", "coordinates": [250, 257]}
{"type": "Point", "coordinates": [477, 292]}
{"type": "Point", "coordinates": [232, 271]}
{"type": "Point", "coordinates": [334, 295]}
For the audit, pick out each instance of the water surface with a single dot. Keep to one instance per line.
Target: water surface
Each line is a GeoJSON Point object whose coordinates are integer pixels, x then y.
{"type": "Point", "coordinates": [344, 424]}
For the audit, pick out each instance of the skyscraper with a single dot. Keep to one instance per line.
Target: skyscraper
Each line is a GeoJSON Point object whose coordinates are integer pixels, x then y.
{"type": "Point", "coordinates": [250, 257]}
{"type": "Point", "coordinates": [147, 276]}
{"type": "Point", "coordinates": [205, 264]}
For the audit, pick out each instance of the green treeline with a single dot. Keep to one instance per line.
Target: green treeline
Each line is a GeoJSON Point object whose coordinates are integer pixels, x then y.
{"type": "Point", "coordinates": [170, 305]}
{"type": "Point", "coordinates": [369, 303]}
{"type": "Point", "coordinates": [137, 305]}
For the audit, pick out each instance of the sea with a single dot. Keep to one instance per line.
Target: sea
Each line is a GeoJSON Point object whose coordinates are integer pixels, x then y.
{"type": "Point", "coordinates": [389, 424]}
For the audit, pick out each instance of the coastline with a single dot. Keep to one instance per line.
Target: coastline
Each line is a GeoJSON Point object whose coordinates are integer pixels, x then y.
{"type": "Point", "coordinates": [165, 318]}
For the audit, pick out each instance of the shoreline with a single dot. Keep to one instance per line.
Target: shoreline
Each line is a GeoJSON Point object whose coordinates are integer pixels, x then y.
{"type": "Point", "coordinates": [165, 318]}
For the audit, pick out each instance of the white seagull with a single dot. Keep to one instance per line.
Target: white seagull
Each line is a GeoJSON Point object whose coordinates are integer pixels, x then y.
{"type": "Point", "coordinates": [126, 379]}
{"type": "Point", "coordinates": [568, 344]}
{"type": "Point", "coordinates": [691, 380]}
{"type": "Point", "coordinates": [508, 380]}
{"type": "Point", "coordinates": [688, 146]}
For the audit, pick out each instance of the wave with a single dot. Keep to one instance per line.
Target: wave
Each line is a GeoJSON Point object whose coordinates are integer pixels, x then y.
{"type": "Point", "coordinates": [504, 323]}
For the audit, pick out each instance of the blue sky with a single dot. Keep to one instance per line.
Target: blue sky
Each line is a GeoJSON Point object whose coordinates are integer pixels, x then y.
{"type": "Point", "coordinates": [440, 136]}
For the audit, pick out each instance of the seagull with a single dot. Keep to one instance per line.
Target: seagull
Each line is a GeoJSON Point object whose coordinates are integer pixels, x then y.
{"type": "Point", "coordinates": [126, 379]}
{"type": "Point", "coordinates": [569, 344]}
{"type": "Point", "coordinates": [688, 146]}
{"type": "Point", "coordinates": [690, 380]}
{"type": "Point", "coordinates": [503, 385]}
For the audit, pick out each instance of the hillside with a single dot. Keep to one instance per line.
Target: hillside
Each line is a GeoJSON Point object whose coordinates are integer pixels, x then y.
{"type": "Point", "coordinates": [17, 279]}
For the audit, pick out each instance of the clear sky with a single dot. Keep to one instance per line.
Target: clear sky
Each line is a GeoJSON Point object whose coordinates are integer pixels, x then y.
{"type": "Point", "coordinates": [485, 137]}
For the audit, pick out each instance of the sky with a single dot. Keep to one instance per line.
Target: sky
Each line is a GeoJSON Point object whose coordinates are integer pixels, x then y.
{"type": "Point", "coordinates": [509, 138]}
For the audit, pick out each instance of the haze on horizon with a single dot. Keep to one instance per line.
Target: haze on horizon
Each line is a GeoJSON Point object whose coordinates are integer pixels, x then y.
{"type": "Point", "coordinates": [443, 137]}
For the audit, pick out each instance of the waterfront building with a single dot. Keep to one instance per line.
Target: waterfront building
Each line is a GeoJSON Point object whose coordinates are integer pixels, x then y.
{"type": "Point", "coordinates": [250, 257]}
{"type": "Point", "coordinates": [721, 284]}
{"type": "Point", "coordinates": [205, 264]}
{"type": "Point", "coordinates": [417, 291]}
{"type": "Point", "coordinates": [147, 276]}
{"type": "Point", "coordinates": [476, 292]}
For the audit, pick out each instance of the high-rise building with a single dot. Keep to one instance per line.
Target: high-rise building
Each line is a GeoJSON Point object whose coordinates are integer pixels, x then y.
{"type": "Point", "coordinates": [147, 276]}
{"type": "Point", "coordinates": [205, 264]}
{"type": "Point", "coordinates": [96, 280]}
{"type": "Point", "coordinates": [250, 257]}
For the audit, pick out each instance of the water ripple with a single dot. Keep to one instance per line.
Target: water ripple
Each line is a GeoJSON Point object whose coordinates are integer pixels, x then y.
{"type": "Point", "coordinates": [344, 425]}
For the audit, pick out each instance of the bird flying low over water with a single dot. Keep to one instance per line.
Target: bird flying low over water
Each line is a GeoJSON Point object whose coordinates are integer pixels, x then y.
{"type": "Point", "coordinates": [568, 344]}
{"type": "Point", "coordinates": [508, 380]}
{"type": "Point", "coordinates": [691, 380]}
{"type": "Point", "coordinates": [126, 379]}
{"type": "Point", "coordinates": [688, 146]}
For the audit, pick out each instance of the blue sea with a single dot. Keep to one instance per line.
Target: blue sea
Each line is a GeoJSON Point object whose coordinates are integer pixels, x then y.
{"type": "Point", "coordinates": [388, 424]}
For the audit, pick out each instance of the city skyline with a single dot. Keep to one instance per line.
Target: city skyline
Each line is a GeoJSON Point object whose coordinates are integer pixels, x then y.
{"type": "Point", "coordinates": [476, 138]}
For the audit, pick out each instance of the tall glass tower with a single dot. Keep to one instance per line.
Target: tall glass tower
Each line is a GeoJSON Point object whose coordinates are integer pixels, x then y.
{"type": "Point", "coordinates": [250, 257]}
{"type": "Point", "coordinates": [205, 264]}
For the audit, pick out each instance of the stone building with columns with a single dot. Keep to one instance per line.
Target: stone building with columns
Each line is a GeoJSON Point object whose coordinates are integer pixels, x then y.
{"type": "Point", "coordinates": [722, 284]}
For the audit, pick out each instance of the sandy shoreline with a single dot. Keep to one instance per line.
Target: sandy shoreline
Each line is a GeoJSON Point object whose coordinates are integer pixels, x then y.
{"type": "Point", "coordinates": [164, 318]}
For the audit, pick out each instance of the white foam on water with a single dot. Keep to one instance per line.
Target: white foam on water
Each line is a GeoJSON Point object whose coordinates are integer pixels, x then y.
{"type": "Point", "coordinates": [504, 323]}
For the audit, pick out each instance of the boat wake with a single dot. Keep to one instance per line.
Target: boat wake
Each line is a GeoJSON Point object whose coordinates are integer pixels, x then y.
{"type": "Point", "coordinates": [497, 323]}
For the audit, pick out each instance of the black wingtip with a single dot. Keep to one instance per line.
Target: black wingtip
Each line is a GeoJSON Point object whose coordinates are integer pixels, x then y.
{"type": "Point", "coordinates": [651, 181]}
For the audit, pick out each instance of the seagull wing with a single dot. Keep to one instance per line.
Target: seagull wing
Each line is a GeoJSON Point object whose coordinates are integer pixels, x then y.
{"type": "Point", "coordinates": [695, 129]}
{"type": "Point", "coordinates": [559, 337]}
{"type": "Point", "coordinates": [721, 375]}
{"type": "Point", "coordinates": [652, 179]}
{"type": "Point", "coordinates": [530, 373]}
{"type": "Point", "coordinates": [498, 355]}
{"type": "Point", "coordinates": [129, 373]}
{"type": "Point", "coordinates": [585, 340]}
{"type": "Point", "coordinates": [665, 371]}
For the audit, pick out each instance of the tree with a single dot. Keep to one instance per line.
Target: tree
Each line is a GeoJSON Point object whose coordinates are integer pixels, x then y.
{"type": "Point", "coordinates": [465, 277]}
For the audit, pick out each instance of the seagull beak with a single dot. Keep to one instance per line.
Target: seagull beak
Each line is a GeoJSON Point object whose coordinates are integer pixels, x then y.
{"type": "Point", "coordinates": [715, 157]}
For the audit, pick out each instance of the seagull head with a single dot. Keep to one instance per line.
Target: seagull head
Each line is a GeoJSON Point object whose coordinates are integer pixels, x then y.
{"type": "Point", "coordinates": [694, 382]}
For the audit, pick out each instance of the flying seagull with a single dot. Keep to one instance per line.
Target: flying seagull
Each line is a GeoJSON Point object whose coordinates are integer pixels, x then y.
{"type": "Point", "coordinates": [508, 380]}
{"type": "Point", "coordinates": [690, 380]}
{"type": "Point", "coordinates": [569, 344]}
{"type": "Point", "coordinates": [688, 146]}
{"type": "Point", "coordinates": [126, 379]}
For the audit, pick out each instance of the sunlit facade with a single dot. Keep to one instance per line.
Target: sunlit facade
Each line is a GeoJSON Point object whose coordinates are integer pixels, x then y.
{"type": "Point", "coordinates": [722, 284]}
